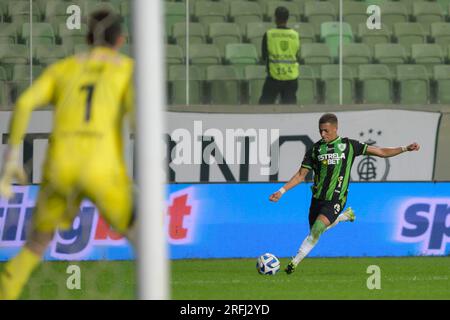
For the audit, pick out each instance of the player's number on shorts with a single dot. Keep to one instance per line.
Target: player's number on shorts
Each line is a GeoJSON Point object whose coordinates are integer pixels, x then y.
{"type": "Point", "coordinates": [90, 93]}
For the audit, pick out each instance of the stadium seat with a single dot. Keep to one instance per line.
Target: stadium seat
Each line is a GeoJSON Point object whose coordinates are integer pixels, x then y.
{"type": "Point", "coordinates": [355, 54]}
{"type": "Point", "coordinates": [440, 34]}
{"type": "Point", "coordinates": [207, 12]}
{"type": "Point", "coordinates": [204, 54]}
{"type": "Point", "coordinates": [375, 84]}
{"type": "Point", "coordinates": [354, 13]}
{"type": "Point", "coordinates": [413, 84]}
{"type": "Point", "coordinates": [197, 33]}
{"type": "Point", "coordinates": [295, 13]}
{"type": "Point", "coordinates": [177, 79]}
{"type": "Point", "coordinates": [255, 33]}
{"type": "Point", "coordinates": [46, 54]}
{"type": "Point", "coordinates": [223, 33]}
{"type": "Point", "coordinates": [23, 72]}
{"type": "Point", "coordinates": [4, 89]}
{"type": "Point", "coordinates": [255, 76]}
{"type": "Point", "coordinates": [240, 55]}
{"type": "Point", "coordinates": [408, 33]}
{"type": "Point", "coordinates": [390, 54]}
{"type": "Point", "coordinates": [442, 82]}
{"type": "Point", "coordinates": [70, 38]}
{"type": "Point", "coordinates": [90, 6]}
{"type": "Point", "coordinates": [427, 55]}
{"type": "Point", "coordinates": [224, 85]}
{"type": "Point", "coordinates": [306, 93]}
{"type": "Point", "coordinates": [243, 12]}
{"type": "Point", "coordinates": [19, 11]}
{"type": "Point", "coordinates": [175, 12]}
{"type": "Point", "coordinates": [174, 54]}
{"type": "Point", "coordinates": [319, 11]}
{"type": "Point", "coordinates": [330, 34]}
{"type": "Point", "coordinates": [330, 80]}
{"type": "Point", "coordinates": [80, 48]}
{"type": "Point", "coordinates": [372, 37]}
{"type": "Point", "coordinates": [13, 54]}
{"type": "Point", "coordinates": [8, 33]}
{"type": "Point", "coordinates": [305, 31]}
{"type": "Point", "coordinates": [393, 12]}
{"type": "Point", "coordinates": [314, 55]}
{"type": "Point", "coordinates": [427, 12]}
{"type": "Point", "coordinates": [42, 33]}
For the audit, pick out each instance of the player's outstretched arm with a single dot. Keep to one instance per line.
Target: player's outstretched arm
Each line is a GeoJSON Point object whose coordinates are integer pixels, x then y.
{"type": "Point", "coordinates": [298, 178]}
{"type": "Point", "coordinates": [391, 152]}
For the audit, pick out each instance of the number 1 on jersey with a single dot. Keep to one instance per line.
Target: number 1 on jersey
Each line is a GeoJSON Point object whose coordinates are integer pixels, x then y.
{"type": "Point", "coordinates": [90, 93]}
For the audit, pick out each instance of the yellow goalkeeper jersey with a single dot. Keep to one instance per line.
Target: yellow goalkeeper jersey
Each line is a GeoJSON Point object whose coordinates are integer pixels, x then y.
{"type": "Point", "coordinates": [90, 92]}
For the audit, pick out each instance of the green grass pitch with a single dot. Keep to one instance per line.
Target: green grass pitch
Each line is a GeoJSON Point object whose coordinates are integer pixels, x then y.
{"type": "Point", "coordinates": [316, 278]}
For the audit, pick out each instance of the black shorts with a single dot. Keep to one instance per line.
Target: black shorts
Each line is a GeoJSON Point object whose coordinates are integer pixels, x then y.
{"type": "Point", "coordinates": [330, 209]}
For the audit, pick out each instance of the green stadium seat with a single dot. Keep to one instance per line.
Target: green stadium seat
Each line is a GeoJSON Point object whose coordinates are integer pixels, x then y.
{"type": "Point", "coordinates": [306, 93]}
{"type": "Point", "coordinates": [354, 13]}
{"type": "Point", "coordinates": [390, 54]}
{"type": "Point", "coordinates": [330, 80]}
{"type": "Point", "coordinates": [315, 55]}
{"type": "Point", "coordinates": [224, 33]}
{"type": "Point", "coordinates": [175, 12]}
{"type": "Point", "coordinates": [21, 72]}
{"type": "Point", "coordinates": [177, 79]}
{"type": "Point", "coordinates": [70, 38]}
{"type": "Point", "coordinates": [255, 76]}
{"type": "Point", "coordinates": [408, 33]}
{"type": "Point", "coordinates": [19, 11]}
{"type": "Point", "coordinates": [295, 13]}
{"type": "Point", "coordinates": [444, 6]}
{"type": "Point", "coordinates": [13, 54]}
{"type": "Point", "coordinates": [393, 12]}
{"type": "Point", "coordinates": [94, 5]}
{"type": "Point", "coordinates": [330, 34]}
{"type": "Point", "coordinates": [440, 33]}
{"type": "Point", "coordinates": [372, 37]}
{"type": "Point", "coordinates": [305, 31]}
{"type": "Point", "coordinates": [81, 48]}
{"type": "Point", "coordinates": [428, 55]}
{"type": "Point", "coordinates": [197, 33]}
{"type": "Point", "coordinates": [427, 12]}
{"type": "Point", "coordinates": [224, 85]}
{"type": "Point", "coordinates": [376, 85]}
{"type": "Point", "coordinates": [243, 12]}
{"type": "Point", "coordinates": [442, 81]}
{"type": "Point", "coordinates": [207, 12]}
{"type": "Point", "coordinates": [174, 54]}
{"type": "Point", "coordinates": [413, 84]}
{"type": "Point", "coordinates": [8, 33]}
{"type": "Point", "coordinates": [355, 54]}
{"type": "Point", "coordinates": [4, 89]}
{"type": "Point", "coordinates": [255, 33]}
{"type": "Point", "coordinates": [204, 54]}
{"type": "Point", "coordinates": [241, 53]}
{"type": "Point", "coordinates": [46, 55]}
{"type": "Point", "coordinates": [42, 33]}
{"type": "Point", "coordinates": [318, 12]}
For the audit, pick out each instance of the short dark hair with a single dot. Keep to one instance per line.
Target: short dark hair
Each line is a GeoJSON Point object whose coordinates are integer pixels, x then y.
{"type": "Point", "coordinates": [104, 28]}
{"type": "Point", "coordinates": [281, 14]}
{"type": "Point", "coordinates": [328, 118]}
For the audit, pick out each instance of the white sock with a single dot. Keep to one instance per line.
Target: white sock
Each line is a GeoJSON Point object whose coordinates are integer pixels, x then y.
{"type": "Point", "coordinates": [305, 248]}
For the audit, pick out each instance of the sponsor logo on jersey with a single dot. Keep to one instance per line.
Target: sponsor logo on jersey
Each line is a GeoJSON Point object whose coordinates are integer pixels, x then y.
{"type": "Point", "coordinates": [331, 158]}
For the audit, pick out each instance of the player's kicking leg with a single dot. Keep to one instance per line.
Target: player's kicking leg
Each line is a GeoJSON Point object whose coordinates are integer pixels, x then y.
{"type": "Point", "coordinates": [321, 224]}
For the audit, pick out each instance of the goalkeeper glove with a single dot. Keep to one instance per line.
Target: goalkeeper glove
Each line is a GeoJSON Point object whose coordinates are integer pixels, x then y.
{"type": "Point", "coordinates": [11, 170]}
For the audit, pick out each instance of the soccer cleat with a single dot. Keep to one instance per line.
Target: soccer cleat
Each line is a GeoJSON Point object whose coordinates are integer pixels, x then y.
{"type": "Point", "coordinates": [290, 268]}
{"type": "Point", "coordinates": [350, 214]}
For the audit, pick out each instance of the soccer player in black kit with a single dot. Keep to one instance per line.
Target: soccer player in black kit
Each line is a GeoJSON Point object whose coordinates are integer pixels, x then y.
{"type": "Point", "coordinates": [331, 160]}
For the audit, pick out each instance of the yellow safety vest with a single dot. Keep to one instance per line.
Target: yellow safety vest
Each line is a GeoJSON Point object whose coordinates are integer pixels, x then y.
{"type": "Point", "coordinates": [283, 46]}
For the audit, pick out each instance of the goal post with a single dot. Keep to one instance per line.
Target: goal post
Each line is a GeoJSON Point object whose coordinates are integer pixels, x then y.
{"type": "Point", "coordinates": [152, 260]}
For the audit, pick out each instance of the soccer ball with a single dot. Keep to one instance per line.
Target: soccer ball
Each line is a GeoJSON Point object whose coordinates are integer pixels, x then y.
{"type": "Point", "coordinates": [268, 264]}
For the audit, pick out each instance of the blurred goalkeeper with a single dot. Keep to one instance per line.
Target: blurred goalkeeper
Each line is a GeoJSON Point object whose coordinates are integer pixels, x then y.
{"type": "Point", "coordinates": [91, 94]}
{"type": "Point", "coordinates": [331, 160]}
